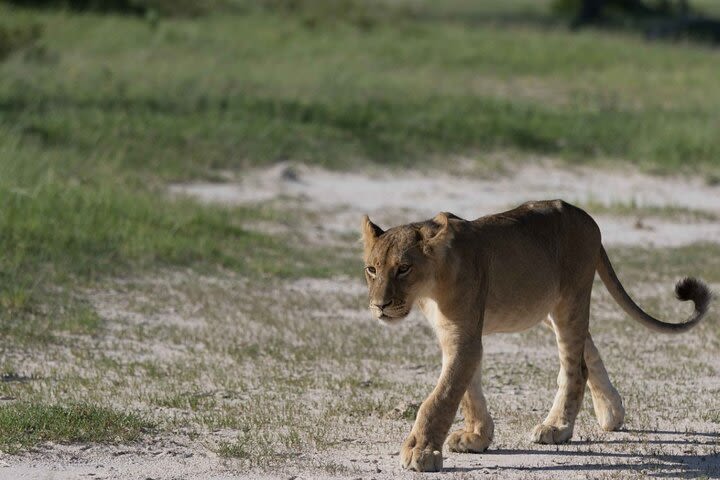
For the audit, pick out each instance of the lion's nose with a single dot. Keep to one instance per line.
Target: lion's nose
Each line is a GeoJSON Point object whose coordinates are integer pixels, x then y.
{"type": "Point", "coordinates": [381, 305]}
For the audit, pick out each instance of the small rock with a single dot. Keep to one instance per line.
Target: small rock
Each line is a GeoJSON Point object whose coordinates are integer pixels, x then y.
{"type": "Point", "coordinates": [290, 174]}
{"type": "Point", "coordinates": [641, 225]}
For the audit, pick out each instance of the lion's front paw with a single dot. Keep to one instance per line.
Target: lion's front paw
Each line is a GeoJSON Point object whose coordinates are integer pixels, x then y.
{"type": "Point", "coordinates": [420, 456]}
{"type": "Point", "coordinates": [467, 442]}
{"type": "Point", "coordinates": [550, 434]}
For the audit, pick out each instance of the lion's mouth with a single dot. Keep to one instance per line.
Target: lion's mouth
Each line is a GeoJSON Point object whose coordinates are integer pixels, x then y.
{"type": "Point", "coordinates": [390, 314]}
{"type": "Point", "coordinates": [393, 316]}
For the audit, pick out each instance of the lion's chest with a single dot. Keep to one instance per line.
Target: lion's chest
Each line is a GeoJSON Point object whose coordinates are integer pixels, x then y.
{"type": "Point", "coordinates": [510, 320]}
{"type": "Point", "coordinates": [505, 318]}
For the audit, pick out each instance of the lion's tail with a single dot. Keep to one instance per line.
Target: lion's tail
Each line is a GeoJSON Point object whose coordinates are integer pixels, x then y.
{"type": "Point", "coordinates": [686, 289]}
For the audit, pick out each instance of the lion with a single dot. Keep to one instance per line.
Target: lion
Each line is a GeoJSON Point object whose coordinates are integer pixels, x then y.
{"type": "Point", "coordinates": [503, 273]}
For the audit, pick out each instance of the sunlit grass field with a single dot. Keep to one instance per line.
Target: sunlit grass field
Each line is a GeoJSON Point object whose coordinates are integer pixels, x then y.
{"type": "Point", "coordinates": [180, 98]}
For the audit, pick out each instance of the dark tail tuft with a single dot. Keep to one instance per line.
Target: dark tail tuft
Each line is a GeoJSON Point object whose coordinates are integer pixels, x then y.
{"type": "Point", "coordinates": [690, 288]}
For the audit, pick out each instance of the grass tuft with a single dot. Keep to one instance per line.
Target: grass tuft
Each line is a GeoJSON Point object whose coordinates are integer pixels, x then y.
{"type": "Point", "coordinates": [24, 425]}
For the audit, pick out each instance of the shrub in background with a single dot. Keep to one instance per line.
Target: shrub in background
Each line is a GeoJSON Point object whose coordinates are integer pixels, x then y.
{"type": "Point", "coordinates": [16, 38]}
{"type": "Point", "coordinates": [130, 7]}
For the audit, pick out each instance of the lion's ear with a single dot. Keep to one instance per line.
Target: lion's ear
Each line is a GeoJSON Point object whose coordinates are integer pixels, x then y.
{"type": "Point", "coordinates": [370, 233]}
{"type": "Point", "coordinates": [437, 241]}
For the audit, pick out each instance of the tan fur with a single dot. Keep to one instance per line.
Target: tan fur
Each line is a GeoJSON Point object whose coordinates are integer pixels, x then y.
{"type": "Point", "coordinates": [501, 273]}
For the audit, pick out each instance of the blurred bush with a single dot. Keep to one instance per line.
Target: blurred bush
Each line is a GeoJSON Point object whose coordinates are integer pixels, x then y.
{"type": "Point", "coordinates": [660, 19]}
{"type": "Point", "coordinates": [328, 7]}
{"type": "Point", "coordinates": [131, 7]}
{"type": "Point", "coordinates": [363, 13]}
{"type": "Point", "coordinates": [623, 7]}
{"type": "Point", "coordinates": [17, 38]}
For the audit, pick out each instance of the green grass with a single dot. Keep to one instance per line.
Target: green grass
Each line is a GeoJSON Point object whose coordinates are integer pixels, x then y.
{"type": "Point", "coordinates": [59, 232]}
{"type": "Point", "coordinates": [91, 230]}
{"type": "Point", "coordinates": [24, 425]}
{"type": "Point", "coordinates": [698, 260]}
{"type": "Point", "coordinates": [633, 209]}
{"type": "Point", "coordinates": [338, 94]}
{"type": "Point", "coordinates": [53, 318]}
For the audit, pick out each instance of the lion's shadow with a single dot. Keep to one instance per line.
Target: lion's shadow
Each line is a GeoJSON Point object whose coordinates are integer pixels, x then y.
{"type": "Point", "coordinates": [652, 464]}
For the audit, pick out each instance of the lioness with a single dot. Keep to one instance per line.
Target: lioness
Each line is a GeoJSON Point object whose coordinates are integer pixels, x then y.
{"type": "Point", "coordinates": [502, 273]}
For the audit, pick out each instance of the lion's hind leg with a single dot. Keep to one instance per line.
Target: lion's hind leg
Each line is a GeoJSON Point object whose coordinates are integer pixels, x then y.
{"type": "Point", "coordinates": [570, 323]}
{"type": "Point", "coordinates": [479, 426]}
{"type": "Point", "coordinates": [607, 403]}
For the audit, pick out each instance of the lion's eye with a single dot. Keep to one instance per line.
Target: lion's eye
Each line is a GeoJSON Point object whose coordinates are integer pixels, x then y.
{"type": "Point", "coordinates": [403, 269]}
{"type": "Point", "coordinates": [370, 271]}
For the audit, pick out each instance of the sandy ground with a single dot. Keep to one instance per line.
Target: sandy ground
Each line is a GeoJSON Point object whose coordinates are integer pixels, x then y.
{"type": "Point", "coordinates": [340, 198]}
{"type": "Point", "coordinates": [679, 442]}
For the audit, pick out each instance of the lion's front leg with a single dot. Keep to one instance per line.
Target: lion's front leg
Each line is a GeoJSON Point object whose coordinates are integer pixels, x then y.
{"type": "Point", "coordinates": [422, 450]}
{"type": "Point", "coordinates": [479, 426]}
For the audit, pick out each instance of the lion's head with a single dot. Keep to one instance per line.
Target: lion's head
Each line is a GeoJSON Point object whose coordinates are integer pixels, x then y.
{"type": "Point", "coordinates": [400, 263]}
